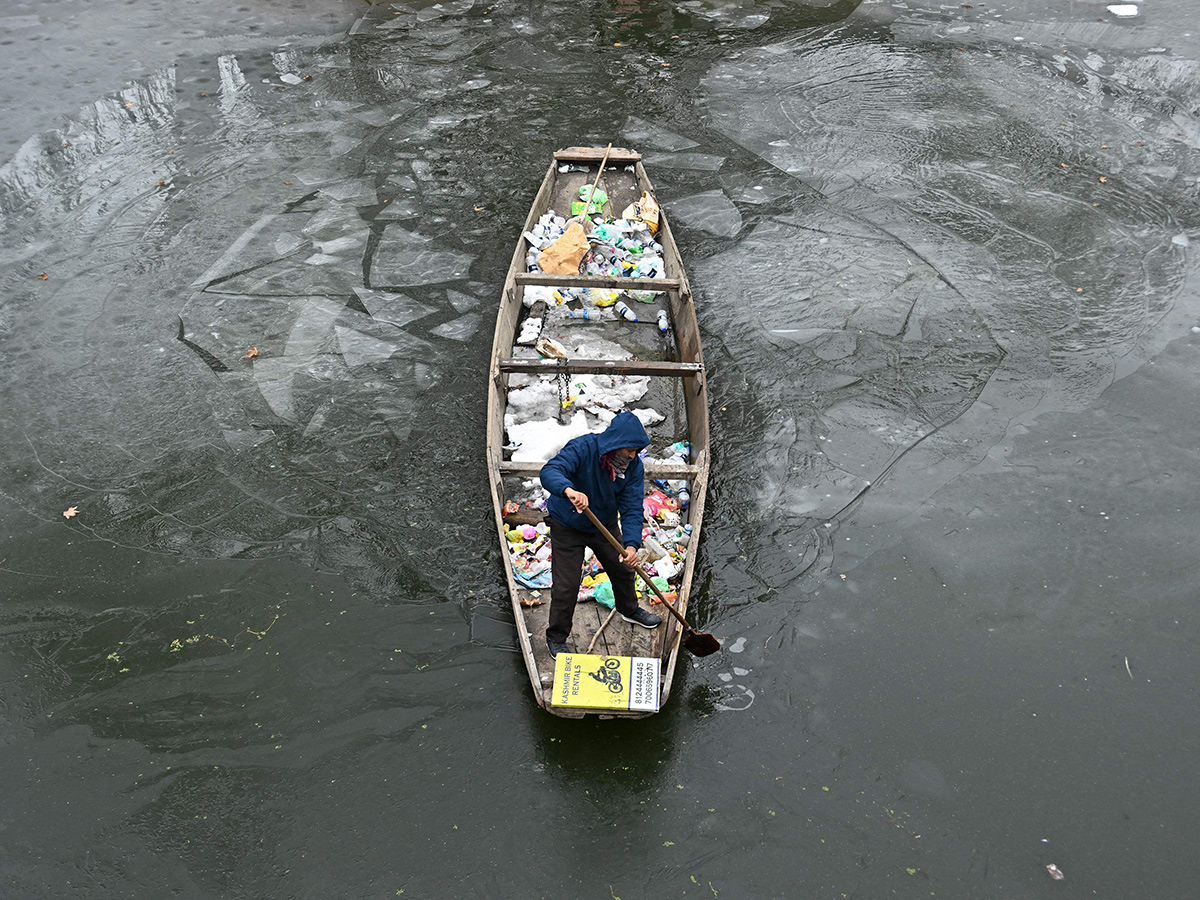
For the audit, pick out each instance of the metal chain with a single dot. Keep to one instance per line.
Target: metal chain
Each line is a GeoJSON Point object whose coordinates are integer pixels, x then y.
{"type": "Point", "coordinates": [563, 386]}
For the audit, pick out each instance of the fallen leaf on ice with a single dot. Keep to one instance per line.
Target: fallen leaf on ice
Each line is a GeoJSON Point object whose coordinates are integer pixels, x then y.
{"type": "Point", "coordinates": [44, 276]}
{"type": "Point", "coordinates": [1103, 180]}
{"type": "Point", "coordinates": [70, 512]}
{"type": "Point", "coordinates": [251, 353]}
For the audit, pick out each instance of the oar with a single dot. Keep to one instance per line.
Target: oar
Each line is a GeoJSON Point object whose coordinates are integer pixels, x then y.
{"type": "Point", "coordinates": [699, 642]}
{"type": "Point", "coordinates": [588, 202]}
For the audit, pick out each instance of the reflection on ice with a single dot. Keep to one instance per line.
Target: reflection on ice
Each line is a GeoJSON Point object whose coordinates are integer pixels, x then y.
{"type": "Point", "coordinates": [462, 302]}
{"type": "Point", "coordinates": [459, 329]}
{"type": "Point", "coordinates": [359, 349]}
{"type": "Point", "coordinates": [710, 211]}
{"type": "Point", "coordinates": [700, 162]}
{"type": "Point", "coordinates": [401, 208]}
{"type": "Point", "coordinates": [359, 190]}
{"type": "Point", "coordinates": [395, 309]}
{"type": "Point", "coordinates": [648, 136]}
{"type": "Point", "coordinates": [406, 259]}
{"type": "Point", "coordinates": [247, 439]}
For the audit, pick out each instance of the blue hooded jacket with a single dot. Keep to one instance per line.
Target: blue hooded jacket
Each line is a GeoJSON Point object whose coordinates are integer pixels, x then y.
{"type": "Point", "coordinates": [577, 466]}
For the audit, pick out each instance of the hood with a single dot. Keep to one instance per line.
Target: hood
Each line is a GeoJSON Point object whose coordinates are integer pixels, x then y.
{"type": "Point", "coordinates": [625, 430]}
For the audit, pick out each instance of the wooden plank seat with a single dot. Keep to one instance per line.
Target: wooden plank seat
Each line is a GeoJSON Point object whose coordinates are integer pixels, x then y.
{"type": "Point", "coordinates": [653, 470]}
{"type": "Point", "coordinates": [621, 155]}
{"type": "Point", "coordinates": [580, 366]}
{"type": "Point", "coordinates": [598, 281]}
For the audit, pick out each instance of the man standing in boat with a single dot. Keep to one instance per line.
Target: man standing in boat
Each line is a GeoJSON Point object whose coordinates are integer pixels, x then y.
{"type": "Point", "coordinates": [602, 472]}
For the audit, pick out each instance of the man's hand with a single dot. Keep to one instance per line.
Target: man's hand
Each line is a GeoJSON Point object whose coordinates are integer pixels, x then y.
{"type": "Point", "coordinates": [578, 499]}
{"type": "Point", "coordinates": [629, 556]}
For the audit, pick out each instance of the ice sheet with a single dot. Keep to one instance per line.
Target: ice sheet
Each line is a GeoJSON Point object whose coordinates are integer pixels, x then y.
{"type": "Point", "coordinates": [710, 211]}
{"type": "Point", "coordinates": [395, 309]}
{"type": "Point", "coordinates": [460, 329]}
{"type": "Point", "coordinates": [644, 134]}
{"type": "Point", "coordinates": [405, 258]}
{"type": "Point", "coordinates": [359, 349]}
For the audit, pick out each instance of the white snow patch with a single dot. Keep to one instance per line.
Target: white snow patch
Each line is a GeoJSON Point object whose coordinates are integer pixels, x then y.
{"type": "Point", "coordinates": [542, 439]}
{"type": "Point", "coordinates": [649, 416]}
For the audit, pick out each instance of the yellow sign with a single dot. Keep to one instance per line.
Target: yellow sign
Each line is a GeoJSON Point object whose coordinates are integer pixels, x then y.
{"type": "Point", "coordinates": [606, 682]}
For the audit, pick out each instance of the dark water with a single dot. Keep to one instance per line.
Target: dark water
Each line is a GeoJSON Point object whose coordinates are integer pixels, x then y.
{"type": "Point", "coordinates": [945, 280]}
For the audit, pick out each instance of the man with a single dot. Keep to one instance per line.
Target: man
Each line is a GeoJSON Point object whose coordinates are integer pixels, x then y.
{"type": "Point", "coordinates": [602, 472]}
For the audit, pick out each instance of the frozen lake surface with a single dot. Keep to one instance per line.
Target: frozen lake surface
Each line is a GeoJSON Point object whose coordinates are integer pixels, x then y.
{"type": "Point", "coordinates": [943, 264]}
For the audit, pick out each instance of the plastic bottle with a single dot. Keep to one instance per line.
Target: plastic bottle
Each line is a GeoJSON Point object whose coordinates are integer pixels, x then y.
{"type": "Point", "coordinates": [682, 449]}
{"type": "Point", "coordinates": [625, 312]}
{"type": "Point", "coordinates": [686, 537]}
{"type": "Point", "coordinates": [663, 325]}
{"type": "Point", "coordinates": [685, 497]}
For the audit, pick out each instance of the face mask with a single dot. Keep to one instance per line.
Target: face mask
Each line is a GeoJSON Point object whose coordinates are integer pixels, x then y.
{"type": "Point", "coordinates": [620, 463]}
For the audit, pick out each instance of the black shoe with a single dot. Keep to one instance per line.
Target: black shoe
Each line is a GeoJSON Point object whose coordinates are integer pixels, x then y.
{"type": "Point", "coordinates": [556, 648]}
{"type": "Point", "coordinates": [643, 618]}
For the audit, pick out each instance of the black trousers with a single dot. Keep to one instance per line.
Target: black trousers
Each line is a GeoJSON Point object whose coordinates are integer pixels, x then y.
{"type": "Point", "coordinates": [566, 572]}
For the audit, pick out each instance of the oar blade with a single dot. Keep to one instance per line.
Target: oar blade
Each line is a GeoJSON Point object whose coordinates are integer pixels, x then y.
{"type": "Point", "coordinates": [699, 643]}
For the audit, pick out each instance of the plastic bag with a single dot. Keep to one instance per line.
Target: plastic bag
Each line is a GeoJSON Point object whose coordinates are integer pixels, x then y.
{"type": "Point", "coordinates": [595, 202]}
{"type": "Point", "coordinates": [603, 595]}
{"type": "Point", "coordinates": [656, 503]}
{"type": "Point", "coordinates": [563, 256]}
{"type": "Point", "coordinates": [645, 209]}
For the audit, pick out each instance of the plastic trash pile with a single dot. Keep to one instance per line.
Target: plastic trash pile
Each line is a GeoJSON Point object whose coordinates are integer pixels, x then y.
{"type": "Point", "coordinates": [676, 455]}
{"type": "Point", "coordinates": [624, 247]}
{"type": "Point", "coordinates": [620, 248]}
{"type": "Point", "coordinates": [549, 228]}
{"type": "Point", "coordinates": [529, 550]}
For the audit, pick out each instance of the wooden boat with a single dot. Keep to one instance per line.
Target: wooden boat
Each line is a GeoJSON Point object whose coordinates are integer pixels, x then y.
{"type": "Point", "coordinates": [675, 366]}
